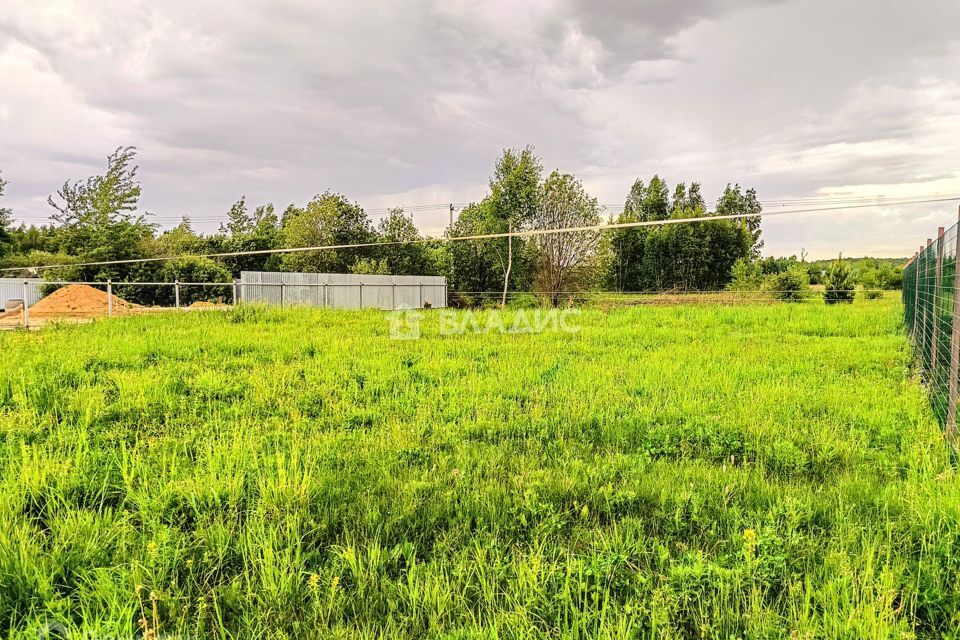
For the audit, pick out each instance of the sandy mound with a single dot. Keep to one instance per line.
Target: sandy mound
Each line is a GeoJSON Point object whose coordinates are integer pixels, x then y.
{"type": "Point", "coordinates": [78, 301]}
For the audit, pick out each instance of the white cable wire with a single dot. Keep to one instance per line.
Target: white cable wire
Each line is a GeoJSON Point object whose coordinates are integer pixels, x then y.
{"type": "Point", "coordinates": [486, 236]}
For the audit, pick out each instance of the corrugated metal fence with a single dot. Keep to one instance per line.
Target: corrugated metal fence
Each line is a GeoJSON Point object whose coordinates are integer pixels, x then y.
{"type": "Point", "coordinates": [343, 290]}
{"type": "Point", "coordinates": [13, 289]}
{"type": "Point", "coordinates": [932, 316]}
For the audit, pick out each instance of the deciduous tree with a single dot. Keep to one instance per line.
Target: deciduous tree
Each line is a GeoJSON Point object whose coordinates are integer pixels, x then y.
{"type": "Point", "coordinates": [328, 219]}
{"type": "Point", "coordinates": [565, 259]}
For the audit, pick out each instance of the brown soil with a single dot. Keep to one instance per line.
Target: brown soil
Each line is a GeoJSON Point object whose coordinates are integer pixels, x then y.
{"type": "Point", "coordinates": [78, 301]}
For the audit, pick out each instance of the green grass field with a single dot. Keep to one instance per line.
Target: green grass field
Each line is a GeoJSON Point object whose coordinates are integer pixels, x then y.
{"type": "Point", "coordinates": [666, 472]}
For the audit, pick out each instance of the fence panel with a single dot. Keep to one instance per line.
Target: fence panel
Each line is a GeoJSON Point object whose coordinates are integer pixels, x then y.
{"type": "Point", "coordinates": [930, 310]}
{"type": "Point", "coordinates": [12, 289]}
{"type": "Point", "coordinates": [343, 290]}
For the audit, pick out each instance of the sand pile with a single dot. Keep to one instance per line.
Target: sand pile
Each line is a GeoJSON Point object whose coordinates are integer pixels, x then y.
{"type": "Point", "coordinates": [78, 301]}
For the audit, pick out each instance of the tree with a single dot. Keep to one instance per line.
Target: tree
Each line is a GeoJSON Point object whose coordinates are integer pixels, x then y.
{"type": "Point", "coordinates": [182, 240]}
{"type": "Point", "coordinates": [565, 259]}
{"type": "Point", "coordinates": [643, 204]}
{"type": "Point", "coordinates": [686, 256]}
{"type": "Point", "coordinates": [413, 258]}
{"type": "Point", "coordinates": [839, 284]}
{"type": "Point", "coordinates": [477, 266]}
{"type": "Point", "coordinates": [98, 221]}
{"type": "Point", "coordinates": [259, 231]}
{"type": "Point", "coordinates": [656, 200]}
{"type": "Point", "coordinates": [693, 255]}
{"type": "Point", "coordinates": [514, 189]}
{"type": "Point", "coordinates": [328, 219]}
{"type": "Point", "coordinates": [33, 238]}
{"type": "Point", "coordinates": [6, 236]}
{"type": "Point", "coordinates": [627, 244]}
{"type": "Point", "coordinates": [734, 201]}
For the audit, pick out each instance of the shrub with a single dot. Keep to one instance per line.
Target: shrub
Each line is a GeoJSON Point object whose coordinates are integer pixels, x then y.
{"type": "Point", "coordinates": [746, 276]}
{"type": "Point", "coordinates": [840, 285]}
{"type": "Point", "coordinates": [193, 269]}
{"type": "Point", "coordinates": [791, 285]}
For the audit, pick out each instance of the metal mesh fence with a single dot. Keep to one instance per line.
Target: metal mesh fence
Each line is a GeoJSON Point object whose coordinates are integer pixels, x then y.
{"type": "Point", "coordinates": [931, 314]}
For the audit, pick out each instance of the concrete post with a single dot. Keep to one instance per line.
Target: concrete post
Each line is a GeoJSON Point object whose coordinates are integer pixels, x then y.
{"type": "Point", "coordinates": [109, 297]}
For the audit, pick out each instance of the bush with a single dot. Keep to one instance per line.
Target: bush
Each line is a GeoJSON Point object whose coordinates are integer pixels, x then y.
{"type": "Point", "coordinates": [840, 285]}
{"type": "Point", "coordinates": [746, 276]}
{"type": "Point", "coordinates": [791, 285]}
{"type": "Point", "coordinates": [189, 269]}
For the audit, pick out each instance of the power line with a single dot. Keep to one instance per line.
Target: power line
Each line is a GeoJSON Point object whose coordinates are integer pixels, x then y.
{"type": "Point", "coordinates": [486, 236]}
{"type": "Point", "coordinates": [437, 208]}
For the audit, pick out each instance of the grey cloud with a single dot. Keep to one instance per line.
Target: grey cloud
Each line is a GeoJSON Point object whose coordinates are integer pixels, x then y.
{"type": "Point", "coordinates": [280, 100]}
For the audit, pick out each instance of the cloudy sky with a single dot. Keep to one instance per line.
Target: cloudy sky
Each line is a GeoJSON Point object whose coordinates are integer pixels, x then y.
{"type": "Point", "coordinates": [409, 102]}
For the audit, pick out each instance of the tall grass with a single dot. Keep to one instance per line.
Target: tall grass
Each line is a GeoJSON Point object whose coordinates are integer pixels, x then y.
{"type": "Point", "coordinates": [682, 472]}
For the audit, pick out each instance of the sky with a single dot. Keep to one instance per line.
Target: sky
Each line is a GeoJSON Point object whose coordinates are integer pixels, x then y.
{"type": "Point", "coordinates": [410, 103]}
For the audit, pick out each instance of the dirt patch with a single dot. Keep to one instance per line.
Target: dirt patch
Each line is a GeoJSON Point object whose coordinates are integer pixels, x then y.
{"type": "Point", "coordinates": [79, 301]}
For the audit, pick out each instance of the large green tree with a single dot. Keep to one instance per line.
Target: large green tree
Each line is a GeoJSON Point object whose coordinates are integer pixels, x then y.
{"type": "Point", "coordinates": [565, 261]}
{"type": "Point", "coordinates": [736, 201]}
{"type": "Point", "coordinates": [413, 258]}
{"type": "Point", "coordinates": [329, 219]}
{"type": "Point", "coordinates": [97, 220]}
{"type": "Point", "coordinates": [514, 193]}
{"type": "Point", "coordinates": [680, 256]}
{"type": "Point", "coordinates": [245, 230]}
{"type": "Point", "coordinates": [477, 267]}
{"type": "Point", "coordinates": [694, 255]}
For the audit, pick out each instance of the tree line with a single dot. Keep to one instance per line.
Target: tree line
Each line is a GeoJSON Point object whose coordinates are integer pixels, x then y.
{"type": "Point", "coordinates": [98, 219]}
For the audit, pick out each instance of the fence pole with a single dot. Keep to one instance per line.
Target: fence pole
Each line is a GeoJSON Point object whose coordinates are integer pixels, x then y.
{"type": "Point", "coordinates": [283, 294]}
{"type": "Point", "coordinates": [325, 296]}
{"type": "Point", "coordinates": [421, 296]}
{"type": "Point", "coordinates": [25, 307]}
{"type": "Point", "coordinates": [934, 308]}
{"type": "Point", "coordinates": [109, 297]}
{"type": "Point", "coordinates": [235, 281]}
{"type": "Point", "coordinates": [393, 295]}
{"type": "Point", "coordinates": [924, 339]}
{"type": "Point", "coordinates": [361, 295]}
{"type": "Point", "coordinates": [916, 295]}
{"type": "Point", "coordinates": [176, 294]}
{"type": "Point", "coordinates": [951, 429]}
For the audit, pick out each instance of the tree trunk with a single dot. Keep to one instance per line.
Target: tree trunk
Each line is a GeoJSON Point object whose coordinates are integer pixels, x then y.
{"type": "Point", "coordinates": [506, 275]}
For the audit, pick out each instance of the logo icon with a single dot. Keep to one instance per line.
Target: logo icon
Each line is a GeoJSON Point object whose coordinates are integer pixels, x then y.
{"type": "Point", "coordinates": [52, 631]}
{"type": "Point", "coordinates": [405, 324]}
